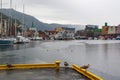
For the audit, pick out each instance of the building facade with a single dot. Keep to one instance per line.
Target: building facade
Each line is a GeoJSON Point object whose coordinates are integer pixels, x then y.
{"type": "Point", "coordinates": [112, 30]}
{"type": "Point", "coordinates": [118, 30]}
{"type": "Point", "coordinates": [104, 30]}
{"type": "Point", "coordinates": [90, 27]}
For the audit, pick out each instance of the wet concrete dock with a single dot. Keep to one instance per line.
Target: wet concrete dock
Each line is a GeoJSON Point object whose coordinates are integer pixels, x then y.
{"type": "Point", "coordinates": [41, 74]}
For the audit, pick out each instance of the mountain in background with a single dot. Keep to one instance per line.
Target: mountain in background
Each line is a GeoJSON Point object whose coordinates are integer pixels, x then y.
{"type": "Point", "coordinates": [28, 19]}
{"type": "Point", "coordinates": [5, 17]}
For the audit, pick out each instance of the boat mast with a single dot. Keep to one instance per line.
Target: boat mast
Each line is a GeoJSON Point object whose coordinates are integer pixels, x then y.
{"type": "Point", "coordinates": [23, 21]}
{"type": "Point", "coordinates": [10, 18]}
{"type": "Point", "coordinates": [15, 24]}
{"type": "Point", "coordinates": [1, 20]}
{"type": "Point", "coordinates": [1, 11]}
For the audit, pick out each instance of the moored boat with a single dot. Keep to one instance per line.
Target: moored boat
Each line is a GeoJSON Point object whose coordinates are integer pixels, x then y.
{"type": "Point", "coordinates": [118, 38]}
{"type": "Point", "coordinates": [36, 38]}
{"type": "Point", "coordinates": [21, 40]}
{"type": "Point", "coordinates": [6, 42]}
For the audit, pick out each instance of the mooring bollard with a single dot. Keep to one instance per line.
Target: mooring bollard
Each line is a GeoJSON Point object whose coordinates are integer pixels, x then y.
{"type": "Point", "coordinates": [57, 63]}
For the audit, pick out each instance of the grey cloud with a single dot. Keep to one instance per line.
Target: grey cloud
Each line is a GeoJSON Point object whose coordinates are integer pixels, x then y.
{"type": "Point", "coordinates": [85, 11]}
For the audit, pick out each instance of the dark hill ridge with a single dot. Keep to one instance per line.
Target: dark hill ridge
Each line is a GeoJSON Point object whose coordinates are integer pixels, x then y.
{"type": "Point", "coordinates": [38, 24]}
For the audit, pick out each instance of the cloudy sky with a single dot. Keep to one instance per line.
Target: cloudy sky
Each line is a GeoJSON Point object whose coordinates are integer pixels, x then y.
{"type": "Point", "coordinates": [70, 11]}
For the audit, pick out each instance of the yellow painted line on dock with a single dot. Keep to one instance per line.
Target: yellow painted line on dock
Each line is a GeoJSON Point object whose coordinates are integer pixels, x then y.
{"type": "Point", "coordinates": [55, 65]}
{"type": "Point", "coordinates": [28, 66]}
{"type": "Point", "coordinates": [86, 73]}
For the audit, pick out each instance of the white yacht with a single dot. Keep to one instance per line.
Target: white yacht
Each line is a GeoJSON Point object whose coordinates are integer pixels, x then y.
{"type": "Point", "coordinates": [21, 40]}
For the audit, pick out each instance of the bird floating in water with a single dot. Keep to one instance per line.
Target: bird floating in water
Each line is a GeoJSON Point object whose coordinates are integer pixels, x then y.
{"type": "Point", "coordinates": [85, 66]}
{"type": "Point", "coordinates": [66, 64]}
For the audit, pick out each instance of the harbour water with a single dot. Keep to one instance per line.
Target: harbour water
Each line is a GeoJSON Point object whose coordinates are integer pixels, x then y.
{"type": "Point", "coordinates": [102, 55]}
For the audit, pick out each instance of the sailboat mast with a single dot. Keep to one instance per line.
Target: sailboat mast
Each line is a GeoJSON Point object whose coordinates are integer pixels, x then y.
{"type": "Point", "coordinates": [10, 19]}
{"type": "Point", "coordinates": [1, 27]}
{"type": "Point", "coordinates": [23, 21]}
{"type": "Point", "coordinates": [1, 12]}
{"type": "Point", "coordinates": [15, 24]}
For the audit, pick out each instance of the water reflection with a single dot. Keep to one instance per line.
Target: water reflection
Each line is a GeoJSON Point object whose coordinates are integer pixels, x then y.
{"type": "Point", "coordinates": [5, 47]}
{"type": "Point", "coordinates": [19, 46]}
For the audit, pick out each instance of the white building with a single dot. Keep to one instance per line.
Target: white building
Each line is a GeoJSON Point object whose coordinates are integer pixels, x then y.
{"type": "Point", "coordinates": [112, 30]}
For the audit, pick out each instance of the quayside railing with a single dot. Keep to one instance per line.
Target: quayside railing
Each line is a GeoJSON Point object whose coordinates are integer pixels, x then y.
{"type": "Point", "coordinates": [55, 65]}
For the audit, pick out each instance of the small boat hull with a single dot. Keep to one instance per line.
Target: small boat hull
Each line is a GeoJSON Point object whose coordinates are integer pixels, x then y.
{"type": "Point", "coordinates": [6, 42]}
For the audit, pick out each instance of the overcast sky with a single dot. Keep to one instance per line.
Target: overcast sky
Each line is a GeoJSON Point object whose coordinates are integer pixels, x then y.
{"type": "Point", "coordinates": [70, 11]}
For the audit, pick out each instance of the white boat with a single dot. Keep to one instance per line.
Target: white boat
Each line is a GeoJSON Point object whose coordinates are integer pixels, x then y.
{"type": "Point", "coordinates": [118, 38]}
{"type": "Point", "coordinates": [36, 38]}
{"type": "Point", "coordinates": [21, 40]}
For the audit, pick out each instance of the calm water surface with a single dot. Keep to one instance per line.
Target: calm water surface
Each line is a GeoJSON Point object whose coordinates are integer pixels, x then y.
{"type": "Point", "coordinates": [103, 56]}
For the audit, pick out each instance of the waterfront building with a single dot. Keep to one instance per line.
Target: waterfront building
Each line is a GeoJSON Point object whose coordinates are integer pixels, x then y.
{"type": "Point", "coordinates": [80, 34]}
{"type": "Point", "coordinates": [58, 29]}
{"type": "Point", "coordinates": [109, 32]}
{"type": "Point", "coordinates": [90, 27]}
{"type": "Point", "coordinates": [51, 34]}
{"type": "Point", "coordinates": [104, 30]}
{"type": "Point", "coordinates": [65, 33]}
{"type": "Point", "coordinates": [69, 30]}
{"type": "Point", "coordinates": [59, 35]}
{"type": "Point", "coordinates": [68, 33]}
{"type": "Point", "coordinates": [97, 32]}
{"type": "Point", "coordinates": [42, 34]}
{"type": "Point", "coordinates": [118, 29]}
{"type": "Point", "coordinates": [112, 30]}
{"type": "Point", "coordinates": [32, 32]}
